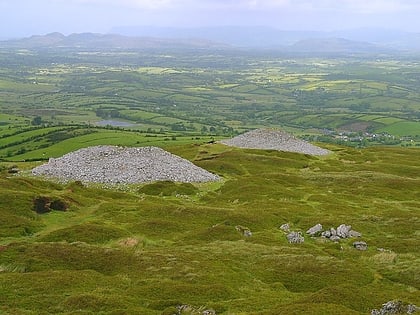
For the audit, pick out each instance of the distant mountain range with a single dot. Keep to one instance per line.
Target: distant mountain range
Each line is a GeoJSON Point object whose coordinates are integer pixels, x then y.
{"type": "Point", "coordinates": [358, 41]}
{"type": "Point", "coordinates": [105, 41]}
{"type": "Point", "coordinates": [267, 37]}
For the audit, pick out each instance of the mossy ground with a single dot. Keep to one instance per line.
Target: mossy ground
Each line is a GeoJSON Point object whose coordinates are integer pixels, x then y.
{"type": "Point", "coordinates": [159, 245]}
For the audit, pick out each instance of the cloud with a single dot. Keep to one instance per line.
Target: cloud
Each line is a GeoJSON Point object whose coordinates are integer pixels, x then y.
{"type": "Point", "coordinates": [358, 6]}
{"type": "Point", "coordinates": [349, 6]}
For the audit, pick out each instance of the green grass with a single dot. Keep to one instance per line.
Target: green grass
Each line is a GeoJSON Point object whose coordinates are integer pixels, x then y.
{"type": "Point", "coordinates": [160, 245]}
{"type": "Point", "coordinates": [403, 128]}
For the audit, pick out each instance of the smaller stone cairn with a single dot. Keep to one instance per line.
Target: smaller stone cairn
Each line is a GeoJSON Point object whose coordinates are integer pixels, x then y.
{"type": "Point", "coordinates": [274, 139]}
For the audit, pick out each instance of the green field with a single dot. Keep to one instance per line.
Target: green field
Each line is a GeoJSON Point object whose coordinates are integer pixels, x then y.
{"type": "Point", "coordinates": [205, 93]}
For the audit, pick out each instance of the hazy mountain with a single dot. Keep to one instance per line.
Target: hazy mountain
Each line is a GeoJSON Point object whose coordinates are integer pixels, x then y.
{"type": "Point", "coordinates": [266, 37]}
{"type": "Point", "coordinates": [105, 41]}
{"type": "Point", "coordinates": [344, 42]}
{"type": "Point", "coordinates": [334, 45]}
{"type": "Point", "coordinates": [241, 36]}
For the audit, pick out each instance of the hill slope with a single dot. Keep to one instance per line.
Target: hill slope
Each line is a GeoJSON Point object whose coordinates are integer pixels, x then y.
{"type": "Point", "coordinates": [140, 253]}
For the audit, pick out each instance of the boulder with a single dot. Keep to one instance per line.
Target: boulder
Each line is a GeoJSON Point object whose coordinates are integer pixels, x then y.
{"type": "Point", "coordinates": [353, 233]}
{"type": "Point", "coordinates": [243, 230]}
{"type": "Point", "coordinates": [360, 245]}
{"type": "Point", "coordinates": [326, 234]}
{"type": "Point", "coordinates": [285, 227]}
{"type": "Point", "coordinates": [314, 230]}
{"type": "Point", "coordinates": [295, 237]}
{"type": "Point", "coordinates": [343, 231]}
{"type": "Point", "coordinates": [335, 238]}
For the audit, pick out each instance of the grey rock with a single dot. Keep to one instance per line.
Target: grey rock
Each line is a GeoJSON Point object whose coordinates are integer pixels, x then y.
{"type": "Point", "coordinates": [333, 232]}
{"type": "Point", "coordinates": [243, 230]}
{"type": "Point", "coordinates": [335, 238]}
{"type": "Point", "coordinates": [326, 234]}
{"type": "Point", "coordinates": [295, 237]}
{"type": "Point", "coordinates": [189, 309]}
{"type": "Point", "coordinates": [314, 230]}
{"type": "Point", "coordinates": [353, 233]}
{"type": "Point", "coordinates": [285, 227]}
{"type": "Point", "coordinates": [360, 245]}
{"type": "Point", "coordinates": [343, 231]}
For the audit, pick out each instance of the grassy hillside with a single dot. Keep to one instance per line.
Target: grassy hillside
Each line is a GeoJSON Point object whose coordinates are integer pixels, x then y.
{"type": "Point", "coordinates": [148, 248]}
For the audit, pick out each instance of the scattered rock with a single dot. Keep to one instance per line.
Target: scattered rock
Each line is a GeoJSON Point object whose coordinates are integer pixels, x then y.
{"type": "Point", "coordinates": [295, 237]}
{"type": "Point", "coordinates": [285, 227]}
{"type": "Point", "coordinates": [122, 165]}
{"type": "Point", "coordinates": [360, 245]}
{"type": "Point", "coordinates": [384, 250]}
{"type": "Point", "coordinates": [316, 229]}
{"type": "Point", "coordinates": [191, 310]}
{"type": "Point", "coordinates": [343, 231]}
{"type": "Point", "coordinates": [395, 307]}
{"type": "Point", "coordinates": [274, 139]}
{"type": "Point", "coordinates": [243, 230]}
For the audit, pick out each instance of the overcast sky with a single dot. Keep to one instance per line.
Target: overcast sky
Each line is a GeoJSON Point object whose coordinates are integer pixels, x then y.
{"type": "Point", "coordinates": [26, 17]}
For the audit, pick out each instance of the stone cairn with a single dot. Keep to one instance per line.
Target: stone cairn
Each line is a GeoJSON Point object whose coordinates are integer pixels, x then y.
{"type": "Point", "coordinates": [274, 139]}
{"type": "Point", "coordinates": [123, 165]}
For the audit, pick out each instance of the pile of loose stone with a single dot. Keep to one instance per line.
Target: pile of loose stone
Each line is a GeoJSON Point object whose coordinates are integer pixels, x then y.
{"type": "Point", "coordinates": [123, 165]}
{"type": "Point", "coordinates": [273, 139]}
{"type": "Point", "coordinates": [343, 231]}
